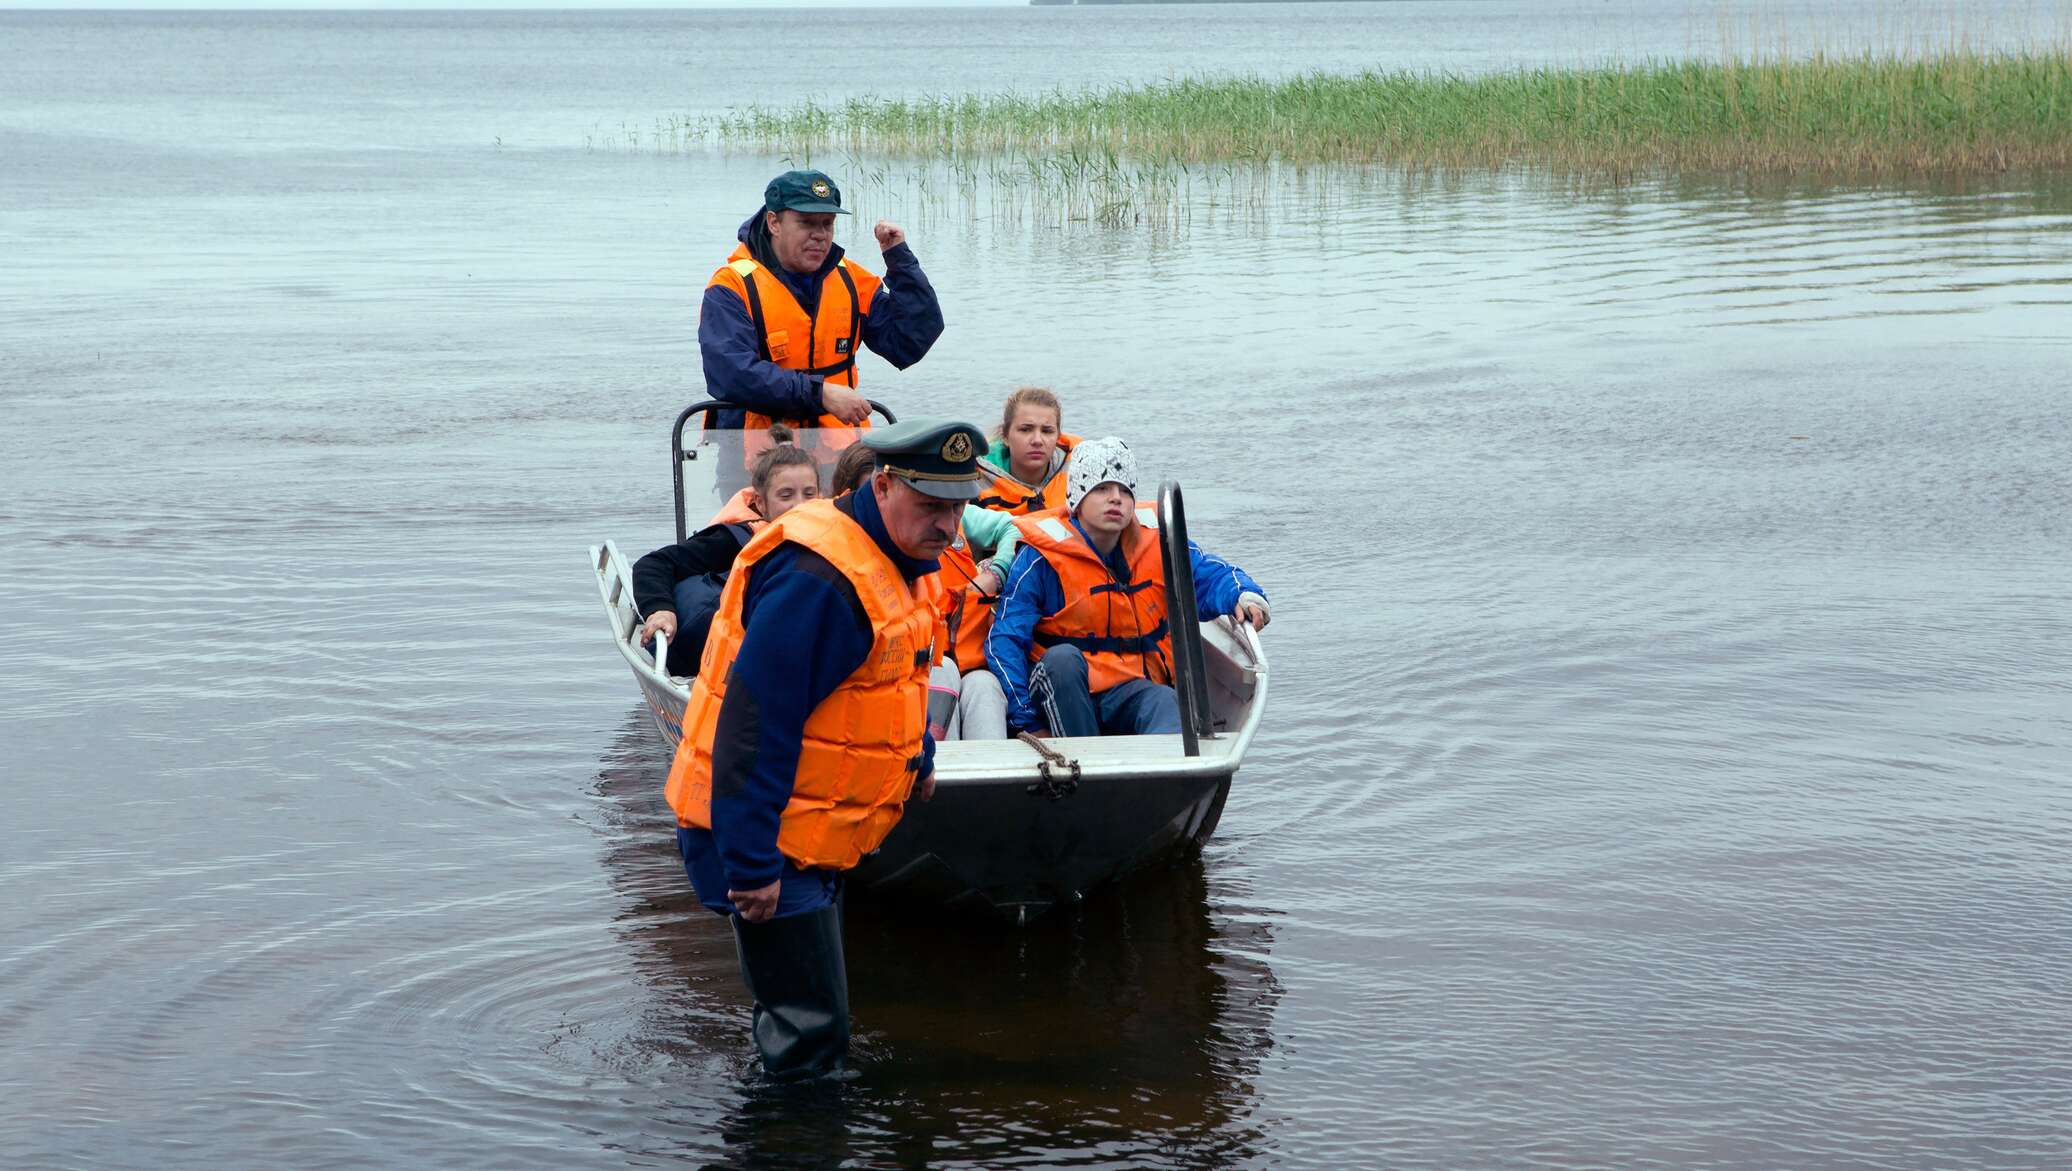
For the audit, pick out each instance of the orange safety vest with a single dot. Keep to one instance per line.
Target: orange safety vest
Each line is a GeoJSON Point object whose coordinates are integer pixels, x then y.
{"type": "Point", "coordinates": [969, 616]}
{"type": "Point", "coordinates": [1007, 494]}
{"type": "Point", "coordinates": [737, 511]}
{"type": "Point", "coordinates": [823, 344]}
{"type": "Point", "coordinates": [1119, 625]}
{"type": "Point", "coordinates": [862, 745]}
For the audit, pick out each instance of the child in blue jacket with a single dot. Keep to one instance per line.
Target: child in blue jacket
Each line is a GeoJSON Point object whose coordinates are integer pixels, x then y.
{"type": "Point", "coordinates": [1081, 642]}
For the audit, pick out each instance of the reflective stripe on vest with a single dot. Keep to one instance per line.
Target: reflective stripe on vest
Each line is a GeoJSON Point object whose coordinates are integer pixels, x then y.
{"type": "Point", "coordinates": [862, 745]}
{"type": "Point", "coordinates": [1120, 626]}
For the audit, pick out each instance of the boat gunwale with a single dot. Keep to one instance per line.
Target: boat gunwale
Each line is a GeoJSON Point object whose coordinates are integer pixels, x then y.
{"type": "Point", "coordinates": [1221, 755]}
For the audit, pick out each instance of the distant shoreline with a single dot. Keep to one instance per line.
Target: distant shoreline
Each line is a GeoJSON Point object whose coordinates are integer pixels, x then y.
{"type": "Point", "coordinates": [1080, 3]}
{"type": "Point", "coordinates": [1087, 3]}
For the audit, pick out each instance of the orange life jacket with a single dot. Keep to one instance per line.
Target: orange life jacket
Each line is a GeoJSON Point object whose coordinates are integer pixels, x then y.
{"type": "Point", "coordinates": [969, 615]}
{"type": "Point", "coordinates": [862, 745]}
{"type": "Point", "coordinates": [1119, 625]}
{"type": "Point", "coordinates": [1007, 494]}
{"type": "Point", "coordinates": [823, 344]}
{"type": "Point", "coordinates": [738, 511]}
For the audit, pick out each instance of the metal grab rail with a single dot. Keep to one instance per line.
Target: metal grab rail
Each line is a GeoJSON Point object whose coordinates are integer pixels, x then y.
{"type": "Point", "coordinates": [1247, 638]}
{"type": "Point", "coordinates": [1190, 677]}
{"type": "Point", "coordinates": [710, 407]}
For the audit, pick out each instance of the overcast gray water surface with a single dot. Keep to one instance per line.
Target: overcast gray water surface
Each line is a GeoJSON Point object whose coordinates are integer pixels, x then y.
{"type": "Point", "coordinates": [1667, 757]}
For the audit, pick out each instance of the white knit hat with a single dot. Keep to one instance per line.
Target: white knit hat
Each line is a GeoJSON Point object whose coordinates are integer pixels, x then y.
{"type": "Point", "coordinates": [1096, 462]}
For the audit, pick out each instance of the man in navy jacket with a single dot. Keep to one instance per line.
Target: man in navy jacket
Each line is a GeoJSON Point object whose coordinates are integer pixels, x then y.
{"type": "Point", "coordinates": [790, 239]}
{"type": "Point", "coordinates": [805, 638]}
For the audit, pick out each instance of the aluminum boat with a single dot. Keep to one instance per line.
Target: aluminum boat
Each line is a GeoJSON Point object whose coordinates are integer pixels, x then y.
{"type": "Point", "coordinates": [1019, 826]}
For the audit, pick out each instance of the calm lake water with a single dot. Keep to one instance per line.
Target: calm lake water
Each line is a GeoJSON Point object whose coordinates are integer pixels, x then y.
{"type": "Point", "coordinates": [1667, 759]}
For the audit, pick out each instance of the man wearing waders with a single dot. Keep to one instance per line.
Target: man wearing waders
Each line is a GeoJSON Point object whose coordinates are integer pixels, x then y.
{"type": "Point", "coordinates": [807, 726]}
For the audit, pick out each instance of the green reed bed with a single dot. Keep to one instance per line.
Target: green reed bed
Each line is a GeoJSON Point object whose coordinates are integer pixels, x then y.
{"type": "Point", "coordinates": [1949, 112]}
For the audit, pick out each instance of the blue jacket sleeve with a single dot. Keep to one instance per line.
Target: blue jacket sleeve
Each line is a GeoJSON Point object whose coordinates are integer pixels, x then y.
{"type": "Point", "coordinates": [904, 318]}
{"type": "Point", "coordinates": [1217, 583]}
{"type": "Point", "coordinates": [734, 368]}
{"type": "Point", "coordinates": [1031, 595]}
{"type": "Point", "coordinates": [802, 638]}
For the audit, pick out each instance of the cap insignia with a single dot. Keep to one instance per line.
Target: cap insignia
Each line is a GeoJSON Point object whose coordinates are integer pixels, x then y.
{"type": "Point", "coordinates": [820, 188]}
{"type": "Point", "coordinates": [957, 448]}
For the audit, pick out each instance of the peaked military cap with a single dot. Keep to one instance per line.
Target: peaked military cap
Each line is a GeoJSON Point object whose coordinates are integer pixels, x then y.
{"type": "Point", "coordinates": [809, 191]}
{"type": "Point", "coordinates": [938, 458]}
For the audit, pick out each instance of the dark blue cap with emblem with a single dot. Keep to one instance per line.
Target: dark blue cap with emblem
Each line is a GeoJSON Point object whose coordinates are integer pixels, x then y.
{"type": "Point", "coordinates": [807, 191]}
{"type": "Point", "coordinates": [937, 458]}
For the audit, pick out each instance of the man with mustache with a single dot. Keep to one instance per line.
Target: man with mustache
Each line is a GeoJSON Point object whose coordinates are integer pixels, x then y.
{"type": "Point", "coordinates": [807, 727]}
{"type": "Point", "coordinates": [781, 320]}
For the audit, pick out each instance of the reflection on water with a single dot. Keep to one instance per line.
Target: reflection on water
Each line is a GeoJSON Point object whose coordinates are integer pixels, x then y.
{"type": "Point", "coordinates": [1132, 1030]}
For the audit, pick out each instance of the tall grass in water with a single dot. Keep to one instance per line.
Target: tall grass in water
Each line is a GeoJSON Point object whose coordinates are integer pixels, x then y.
{"type": "Point", "coordinates": [1953, 111]}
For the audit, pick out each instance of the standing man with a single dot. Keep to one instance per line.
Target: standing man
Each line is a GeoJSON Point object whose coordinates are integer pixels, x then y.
{"type": "Point", "coordinates": [783, 317]}
{"type": "Point", "coordinates": [807, 725]}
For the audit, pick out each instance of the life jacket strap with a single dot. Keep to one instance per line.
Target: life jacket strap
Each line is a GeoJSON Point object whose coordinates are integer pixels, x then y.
{"type": "Point", "coordinates": [1136, 645]}
{"type": "Point", "coordinates": [855, 312]}
{"type": "Point", "coordinates": [848, 360]}
{"type": "Point", "coordinates": [755, 315]}
{"type": "Point", "coordinates": [1025, 504]}
{"type": "Point", "coordinates": [1130, 589]}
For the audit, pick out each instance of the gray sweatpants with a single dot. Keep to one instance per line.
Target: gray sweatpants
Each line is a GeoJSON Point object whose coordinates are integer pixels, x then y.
{"type": "Point", "coordinates": [980, 708]}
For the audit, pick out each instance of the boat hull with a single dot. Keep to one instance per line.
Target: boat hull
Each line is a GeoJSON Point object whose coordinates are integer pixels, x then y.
{"type": "Point", "coordinates": [996, 850]}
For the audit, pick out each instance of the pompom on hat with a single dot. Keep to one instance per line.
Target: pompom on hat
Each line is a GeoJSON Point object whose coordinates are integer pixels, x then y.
{"type": "Point", "coordinates": [1096, 462]}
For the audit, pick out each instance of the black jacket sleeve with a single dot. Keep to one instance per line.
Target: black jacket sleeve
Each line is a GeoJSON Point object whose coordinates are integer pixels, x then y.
{"type": "Point", "coordinates": [709, 550]}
